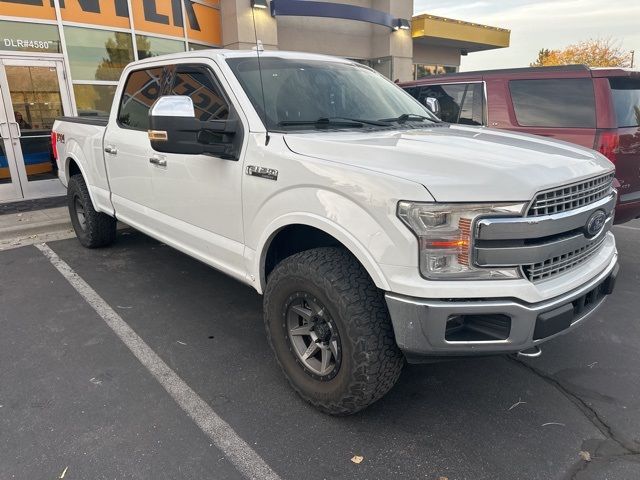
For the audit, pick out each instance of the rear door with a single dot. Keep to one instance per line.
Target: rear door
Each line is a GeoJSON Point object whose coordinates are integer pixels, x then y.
{"type": "Point", "coordinates": [127, 148]}
{"type": "Point", "coordinates": [625, 93]}
{"type": "Point", "coordinates": [561, 108]}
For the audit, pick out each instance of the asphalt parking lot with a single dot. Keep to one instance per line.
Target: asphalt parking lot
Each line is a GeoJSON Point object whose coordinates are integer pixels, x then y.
{"type": "Point", "coordinates": [75, 403]}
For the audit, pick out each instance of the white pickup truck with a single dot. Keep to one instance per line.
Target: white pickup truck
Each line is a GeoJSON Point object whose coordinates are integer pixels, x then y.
{"type": "Point", "coordinates": [376, 233]}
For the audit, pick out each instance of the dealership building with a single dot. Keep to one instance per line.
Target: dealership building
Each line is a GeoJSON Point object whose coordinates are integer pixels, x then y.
{"type": "Point", "coordinates": [64, 57]}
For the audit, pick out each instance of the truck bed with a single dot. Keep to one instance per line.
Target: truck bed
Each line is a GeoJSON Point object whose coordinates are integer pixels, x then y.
{"type": "Point", "coordinates": [98, 121]}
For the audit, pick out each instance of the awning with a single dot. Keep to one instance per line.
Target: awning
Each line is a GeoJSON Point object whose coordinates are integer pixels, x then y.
{"type": "Point", "coordinates": [447, 32]}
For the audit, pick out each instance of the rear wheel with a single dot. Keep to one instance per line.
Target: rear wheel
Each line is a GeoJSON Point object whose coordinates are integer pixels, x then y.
{"type": "Point", "coordinates": [93, 229]}
{"type": "Point", "coordinates": [330, 330]}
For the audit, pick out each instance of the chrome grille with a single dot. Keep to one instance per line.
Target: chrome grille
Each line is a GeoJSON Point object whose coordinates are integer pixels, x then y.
{"type": "Point", "coordinates": [571, 196]}
{"type": "Point", "coordinates": [556, 265]}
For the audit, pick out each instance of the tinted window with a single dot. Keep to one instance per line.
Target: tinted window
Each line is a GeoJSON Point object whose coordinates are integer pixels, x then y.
{"type": "Point", "coordinates": [141, 90]}
{"type": "Point", "coordinates": [206, 94]}
{"type": "Point", "coordinates": [459, 102]}
{"type": "Point", "coordinates": [554, 103]}
{"type": "Point", "coordinates": [626, 100]}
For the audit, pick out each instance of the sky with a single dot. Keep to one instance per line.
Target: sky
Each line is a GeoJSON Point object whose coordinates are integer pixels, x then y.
{"type": "Point", "coordinates": [551, 24]}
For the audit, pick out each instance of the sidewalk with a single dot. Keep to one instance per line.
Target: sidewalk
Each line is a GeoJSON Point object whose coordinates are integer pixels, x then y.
{"type": "Point", "coordinates": [17, 229]}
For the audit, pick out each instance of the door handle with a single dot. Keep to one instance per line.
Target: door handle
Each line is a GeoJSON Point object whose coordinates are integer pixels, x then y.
{"type": "Point", "coordinates": [2, 131]}
{"type": "Point", "coordinates": [160, 162]}
{"type": "Point", "coordinates": [111, 150]}
{"type": "Point", "coordinates": [18, 132]}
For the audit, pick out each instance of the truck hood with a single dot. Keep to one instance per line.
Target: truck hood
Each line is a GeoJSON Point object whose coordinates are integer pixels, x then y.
{"type": "Point", "coordinates": [458, 163]}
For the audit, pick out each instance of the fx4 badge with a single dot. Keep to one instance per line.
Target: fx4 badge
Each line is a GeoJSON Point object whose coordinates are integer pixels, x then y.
{"type": "Point", "coordinates": [262, 172]}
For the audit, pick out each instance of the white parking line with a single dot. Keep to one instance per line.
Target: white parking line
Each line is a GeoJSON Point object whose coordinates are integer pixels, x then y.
{"type": "Point", "coordinates": [239, 453]}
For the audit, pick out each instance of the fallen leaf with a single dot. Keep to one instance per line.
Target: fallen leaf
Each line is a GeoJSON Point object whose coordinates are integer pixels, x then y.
{"type": "Point", "coordinates": [443, 478]}
{"type": "Point", "coordinates": [586, 456]}
{"type": "Point", "coordinates": [357, 459]}
{"type": "Point", "coordinates": [554, 423]}
{"type": "Point", "coordinates": [519, 402]}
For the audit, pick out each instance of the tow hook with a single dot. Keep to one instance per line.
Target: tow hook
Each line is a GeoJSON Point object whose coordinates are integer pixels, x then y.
{"type": "Point", "coordinates": [532, 352]}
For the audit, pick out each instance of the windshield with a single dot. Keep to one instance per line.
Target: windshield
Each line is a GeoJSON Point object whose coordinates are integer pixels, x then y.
{"type": "Point", "coordinates": [312, 94]}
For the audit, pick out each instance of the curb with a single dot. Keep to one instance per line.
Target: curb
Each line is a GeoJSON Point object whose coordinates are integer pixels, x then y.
{"type": "Point", "coordinates": [35, 222]}
{"type": "Point", "coordinates": [35, 228]}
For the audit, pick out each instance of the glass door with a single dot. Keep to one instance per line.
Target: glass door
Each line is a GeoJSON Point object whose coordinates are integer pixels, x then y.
{"type": "Point", "coordinates": [32, 99]}
{"type": "Point", "coordinates": [9, 183]}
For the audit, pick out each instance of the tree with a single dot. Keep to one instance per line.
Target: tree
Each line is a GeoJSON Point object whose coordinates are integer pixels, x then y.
{"type": "Point", "coordinates": [119, 53]}
{"type": "Point", "coordinates": [543, 58]}
{"type": "Point", "coordinates": [593, 53]}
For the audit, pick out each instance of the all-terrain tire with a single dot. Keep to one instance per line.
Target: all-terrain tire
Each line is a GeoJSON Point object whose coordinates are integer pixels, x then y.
{"type": "Point", "coordinates": [371, 362]}
{"type": "Point", "coordinates": [98, 229]}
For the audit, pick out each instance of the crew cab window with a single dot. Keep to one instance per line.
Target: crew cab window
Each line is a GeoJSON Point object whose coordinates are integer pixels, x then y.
{"type": "Point", "coordinates": [459, 102]}
{"type": "Point", "coordinates": [562, 102]}
{"type": "Point", "coordinates": [199, 84]}
{"type": "Point", "coordinates": [626, 100]}
{"type": "Point", "coordinates": [140, 91]}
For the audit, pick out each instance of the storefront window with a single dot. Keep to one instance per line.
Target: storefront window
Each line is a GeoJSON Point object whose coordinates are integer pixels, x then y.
{"type": "Point", "coordinates": [29, 37]}
{"type": "Point", "coordinates": [97, 54]}
{"type": "Point", "coordinates": [421, 70]}
{"type": "Point", "coordinates": [197, 46]}
{"type": "Point", "coordinates": [381, 65]}
{"type": "Point", "coordinates": [154, 46]}
{"type": "Point", "coordinates": [94, 100]}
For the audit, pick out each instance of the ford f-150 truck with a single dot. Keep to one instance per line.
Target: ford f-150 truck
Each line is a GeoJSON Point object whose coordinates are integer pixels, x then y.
{"type": "Point", "coordinates": [376, 233]}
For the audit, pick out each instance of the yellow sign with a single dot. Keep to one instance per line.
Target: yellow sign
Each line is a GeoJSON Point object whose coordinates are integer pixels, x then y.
{"type": "Point", "coordinates": [165, 17]}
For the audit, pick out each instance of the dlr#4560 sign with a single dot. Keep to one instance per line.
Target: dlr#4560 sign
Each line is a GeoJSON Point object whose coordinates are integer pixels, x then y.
{"type": "Point", "coordinates": [164, 17]}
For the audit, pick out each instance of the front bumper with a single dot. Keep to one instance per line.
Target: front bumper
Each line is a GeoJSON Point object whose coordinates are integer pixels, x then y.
{"type": "Point", "coordinates": [460, 327]}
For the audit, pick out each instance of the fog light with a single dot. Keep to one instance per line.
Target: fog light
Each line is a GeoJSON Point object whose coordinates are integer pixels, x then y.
{"type": "Point", "coordinates": [478, 328]}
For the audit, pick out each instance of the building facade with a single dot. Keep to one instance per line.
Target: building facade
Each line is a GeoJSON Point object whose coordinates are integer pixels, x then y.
{"type": "Point", "coordinates": [64, 57]}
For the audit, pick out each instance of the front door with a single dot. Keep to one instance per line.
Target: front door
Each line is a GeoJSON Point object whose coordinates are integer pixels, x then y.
{"type": "Point", "coordinates": [199, 196]}
{"type": "Point", "coordinates": [31, 99]}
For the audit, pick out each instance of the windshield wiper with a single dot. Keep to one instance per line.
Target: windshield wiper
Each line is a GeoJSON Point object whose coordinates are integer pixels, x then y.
{"type": "Point", "coordinates": [334, 122]}
{"type": "Point", "coordinates": [408, 117]}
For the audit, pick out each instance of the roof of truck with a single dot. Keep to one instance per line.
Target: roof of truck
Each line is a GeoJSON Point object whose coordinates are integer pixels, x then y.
{"type": "Point", "coordinates": [221, 53]}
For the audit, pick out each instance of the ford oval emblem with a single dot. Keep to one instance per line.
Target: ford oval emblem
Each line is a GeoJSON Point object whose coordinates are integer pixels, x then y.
{"type": "Point", "coordinates": [595, 223]}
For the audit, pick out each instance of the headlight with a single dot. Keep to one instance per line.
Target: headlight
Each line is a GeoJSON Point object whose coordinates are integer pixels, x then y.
{"type": "Point", "coordinates": [445, 237]}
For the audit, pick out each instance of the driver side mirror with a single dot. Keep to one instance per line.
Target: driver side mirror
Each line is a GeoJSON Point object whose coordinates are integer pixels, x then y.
{"type": "Point", "coordinates": [174, 128]}
{"type": "Point", "coordinates": [433, 105]}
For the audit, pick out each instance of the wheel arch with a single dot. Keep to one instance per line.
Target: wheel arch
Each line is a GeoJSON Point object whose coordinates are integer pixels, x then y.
{"type": "Point", "coordinates": [74, 167]}
{"type": "Point", "coordinates": [299, 233]}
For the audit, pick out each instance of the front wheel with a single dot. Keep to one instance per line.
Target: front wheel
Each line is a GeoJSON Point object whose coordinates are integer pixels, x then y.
{"type": "Point", "coordinates": [93, 229]}
{"type": "Point", "coordinates": [330, 330]}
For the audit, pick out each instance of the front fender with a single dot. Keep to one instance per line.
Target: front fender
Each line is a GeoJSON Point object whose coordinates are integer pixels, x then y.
{"type": "Point", "coordinates": [369, 229]}
{"type": "Point", "coordinates": [349, 241]}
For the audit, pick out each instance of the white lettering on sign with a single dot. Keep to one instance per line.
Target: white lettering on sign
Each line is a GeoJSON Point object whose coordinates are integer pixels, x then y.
{"type": "Point", "coordinates": [33, 44]}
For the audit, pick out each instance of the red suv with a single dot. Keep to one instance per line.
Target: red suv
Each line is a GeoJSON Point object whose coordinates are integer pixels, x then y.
{"type": "Point", "coordinates": [597, 108]}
